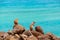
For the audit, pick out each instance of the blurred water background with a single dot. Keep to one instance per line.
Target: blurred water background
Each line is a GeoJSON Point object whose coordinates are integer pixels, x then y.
{"type": "Point", "coordinates": [46, 13]}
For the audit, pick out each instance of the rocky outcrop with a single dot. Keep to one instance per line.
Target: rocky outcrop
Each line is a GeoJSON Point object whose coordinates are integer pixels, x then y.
{"type": "Point", "coordinates": [20, 33]}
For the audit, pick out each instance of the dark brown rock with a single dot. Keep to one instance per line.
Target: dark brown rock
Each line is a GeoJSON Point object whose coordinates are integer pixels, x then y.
{"type": "Point", "coordinates": [1, 38]}
{"type": "Point", "coordinates": [11, 37]}
{"type": "Point", "coordinates": [58, 38]}
{"type": "Point", "coordinates": [8, 37]}
{"type": "Point", "coordinates": [43, 38]}
{"type": "Point", "coordinates": [3, 35]}
{"type": "Point", "coordinates": [23, 37]}
{"type": "Point", "coordinates": [28, 33]}
{"type": "Point", "coordinates": [10, 32]}
{"type": "Point", "coordinates": [17, 35]}
{"type": "Point", "coordinates": [36, 34]}
{"type": "Point", "coordinates": [52, 37]}
{"type": "Point", "coordinates": [32, 38]}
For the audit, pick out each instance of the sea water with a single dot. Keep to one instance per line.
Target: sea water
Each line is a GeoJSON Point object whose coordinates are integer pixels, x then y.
{"type": "Point", "coordinates": [46, 13]}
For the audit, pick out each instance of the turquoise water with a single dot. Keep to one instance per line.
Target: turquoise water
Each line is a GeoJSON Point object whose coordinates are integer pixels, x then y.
{"type": "Point", "coordinates": [46, 13]}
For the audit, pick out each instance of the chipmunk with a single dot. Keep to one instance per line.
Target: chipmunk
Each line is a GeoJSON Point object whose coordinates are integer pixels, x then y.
{"type": "Point", "coordinates": [18, 28]}
{"type": "Point", "coordinates": [31, 26]}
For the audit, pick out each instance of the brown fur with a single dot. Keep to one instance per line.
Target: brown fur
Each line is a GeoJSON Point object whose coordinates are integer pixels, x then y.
{"type": "Point", "coordinates": [31, 26]}
{"type": "Point", "coordinates": [17, 28]}
{"type": "Point", "coordinates": [38, 29]}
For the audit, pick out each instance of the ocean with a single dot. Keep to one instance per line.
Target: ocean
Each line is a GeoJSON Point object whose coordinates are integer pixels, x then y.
{"type": "Point", "coordinates": [46, 14]}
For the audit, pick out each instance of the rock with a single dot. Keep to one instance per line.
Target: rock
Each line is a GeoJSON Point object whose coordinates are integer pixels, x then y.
{"type": "Point", "coordinates": [8, 37]}
{"type": "Point", "coordinates": [3, 35]}
{"type": "Point", "coordinates": [38, 29]}
{"type": "Point", "coordinates": [32, 38]}
{"type": "Point", "coordinates": [52, 37]}
{"type": "Point", "coordinates": [23, 37]}
{"type": "Point", "coordinates": [28, 33]}
{"type": "Point", "coordinates": [10, 32]}
{"type": "Point", "coordinates": [58, 38]}
{"type": "Point", "coordinates": [1, 38]}
{"type": "Point", "coordinates": [43, 38]}
{"type": "Point", "coordinates": [11, 37]}
{"type": "Point", "coordinates": [17, 35]}
{"type": "Point", "coordinates": [36, 34]}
